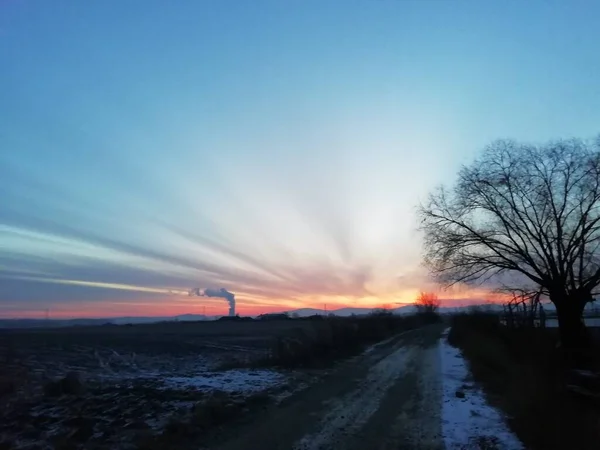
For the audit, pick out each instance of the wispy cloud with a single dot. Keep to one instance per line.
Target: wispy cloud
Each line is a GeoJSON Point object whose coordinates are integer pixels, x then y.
{"type": "Point", "coordinates": [285, 170]}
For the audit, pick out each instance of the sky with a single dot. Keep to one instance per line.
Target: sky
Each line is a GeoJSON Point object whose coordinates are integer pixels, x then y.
{"type": "Point", "coordinates": [277, 149]}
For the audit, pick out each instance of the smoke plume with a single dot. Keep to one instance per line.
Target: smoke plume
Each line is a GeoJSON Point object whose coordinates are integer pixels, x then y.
{"type": "Point", "coordinates": [220, 293]}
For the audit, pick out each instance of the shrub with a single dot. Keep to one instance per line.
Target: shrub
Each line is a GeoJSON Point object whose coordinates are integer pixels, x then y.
{"type": "Point", "coordinates": [333, 337]}
{"type": "Point", "coordinates": [186, 431]}
{"type": "Point", "coordinates": [427, 302]}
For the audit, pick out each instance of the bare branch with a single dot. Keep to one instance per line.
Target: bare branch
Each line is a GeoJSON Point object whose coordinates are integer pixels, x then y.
{"type": "Point", "coordinates": [533, 211]}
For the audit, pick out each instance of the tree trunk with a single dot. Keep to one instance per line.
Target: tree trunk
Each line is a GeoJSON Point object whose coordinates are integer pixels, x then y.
{"type": "Point", "coordinates": [572, 331]}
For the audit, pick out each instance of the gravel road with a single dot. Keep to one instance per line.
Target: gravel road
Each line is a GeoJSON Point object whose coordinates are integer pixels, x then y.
{"type": "Point", "coordinates": [386, 398]}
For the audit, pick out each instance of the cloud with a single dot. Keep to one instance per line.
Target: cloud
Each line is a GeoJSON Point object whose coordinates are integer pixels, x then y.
{"type": "Point", "coordinates": [91, 278]}
{"type": "Point", "coordinates": [97, 218]}
{"type": "Point", "coordinates": [92, 266]}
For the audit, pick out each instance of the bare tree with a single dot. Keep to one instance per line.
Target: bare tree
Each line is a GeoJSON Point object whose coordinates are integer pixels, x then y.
{"type": "Point", "coordinates": [529, 211]}
{"type": "Point", "coordinates": [427, 302]}
{"type": "Point", "coordinates": [523, 308]}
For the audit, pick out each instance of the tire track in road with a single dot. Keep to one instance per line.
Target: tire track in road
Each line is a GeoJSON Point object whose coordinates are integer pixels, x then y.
{"type": "Point", "coordinates": [386, 398]}
{"type": "Point", "coordinates": [409, 417]}
{"type": "Point", "coordinates": [350, 413]}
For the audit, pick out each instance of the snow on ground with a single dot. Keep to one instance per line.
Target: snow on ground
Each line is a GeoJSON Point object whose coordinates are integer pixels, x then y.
{"type": "Point", "coordinates": [349, 413]}
{"type": "Point", "coordinates": [247, 381]}
{"type": "Point", "coordinates": [468, 422]}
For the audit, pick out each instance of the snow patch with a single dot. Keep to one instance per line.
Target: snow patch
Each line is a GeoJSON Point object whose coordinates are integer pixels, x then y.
{"type": "Point", "coordinates": [348, 414]}
{"type": "Point", "coordinates": [467, 419]}
{"type": "Point", "coordinates": [229, 381]}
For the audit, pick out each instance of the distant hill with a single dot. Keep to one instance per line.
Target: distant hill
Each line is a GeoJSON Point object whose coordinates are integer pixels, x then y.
{"type": "Point", "coordinates": [345, 312]}
{"type": "Point", "coordinates": [305, 312]}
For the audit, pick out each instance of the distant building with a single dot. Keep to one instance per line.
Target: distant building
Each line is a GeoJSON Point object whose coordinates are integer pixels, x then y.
{"type": "Point", "coordinates": [274, 316]}
{"type": "Point", "coordinates": [229, 318]}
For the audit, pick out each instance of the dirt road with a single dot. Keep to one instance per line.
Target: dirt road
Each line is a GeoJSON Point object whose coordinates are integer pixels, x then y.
{"type": "Point", "coordinates": [387, 398]}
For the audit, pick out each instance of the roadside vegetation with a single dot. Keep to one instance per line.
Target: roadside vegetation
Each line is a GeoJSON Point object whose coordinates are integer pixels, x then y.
{"type": "Point", "coordinates": [527, 217]}
{"type": "Point", "coordinates": [526, 374]}
{"type": "Point", "coordinates": [331, 338]}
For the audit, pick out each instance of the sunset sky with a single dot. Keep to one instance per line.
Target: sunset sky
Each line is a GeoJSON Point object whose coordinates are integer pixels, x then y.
{"type": "Point", "coordinates": [277, 149]}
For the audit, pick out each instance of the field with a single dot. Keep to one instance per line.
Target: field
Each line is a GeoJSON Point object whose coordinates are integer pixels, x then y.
{"type": "Point", "coordinates": [170, 383]}
{"type": "Point", "coordinates": [131, 378]}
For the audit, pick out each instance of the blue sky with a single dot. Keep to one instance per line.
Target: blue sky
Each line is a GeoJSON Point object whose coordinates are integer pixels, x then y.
{"type": "Point", "coordinates": [277, 149]}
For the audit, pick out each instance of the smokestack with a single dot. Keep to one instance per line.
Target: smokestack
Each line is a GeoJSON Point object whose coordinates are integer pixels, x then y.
{"type": "Point", "coordinates": [220, 293]}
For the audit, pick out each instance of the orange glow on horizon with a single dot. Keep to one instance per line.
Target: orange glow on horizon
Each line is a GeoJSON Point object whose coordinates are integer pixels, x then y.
{"type": "Point", "coordinates": [246, 305]}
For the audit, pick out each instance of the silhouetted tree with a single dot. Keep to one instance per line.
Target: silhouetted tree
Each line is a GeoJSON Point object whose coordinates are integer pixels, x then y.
{"type": "Point", "coordinates": [523, 308]}
{"type": "Point", "coordinates": [427, 302]}
{"type": "Point", "coordinates": [527, 210]}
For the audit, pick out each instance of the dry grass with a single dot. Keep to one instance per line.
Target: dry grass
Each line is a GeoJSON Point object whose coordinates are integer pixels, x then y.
{"type": "Point", "coordinates": [335, 337]}
{"type": "Point", "coordinates": [99, 387]}
{"type": "Point", "coordinates": [208, 416]}
{"type": "Point", "coordinates": [523, 372]}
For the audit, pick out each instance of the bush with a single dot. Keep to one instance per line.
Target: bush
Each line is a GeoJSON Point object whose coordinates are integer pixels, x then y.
{"type": "Point", "coordinates": [218, 409]}
{"type": "Point", "coordinates": [331, 338]}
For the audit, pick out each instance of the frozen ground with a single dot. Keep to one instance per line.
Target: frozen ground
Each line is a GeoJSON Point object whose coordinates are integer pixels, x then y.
{"type": "Point", "coordinates": [233, 381]}
{"type": "Point", "coordinates": [468, 421]}
{"type": "Point", "coordinates": [115, 412]}
{"type": "Point", "coordinates": [426, 389]}
{"type": "Point", "coordinates": [348, 414]}
{"type": "Point", "coordinates": [412, 391]}
{"type": "Point", "coordinates": [387, 398]}
{"type": "Point", "coordinates": [134, 380]}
